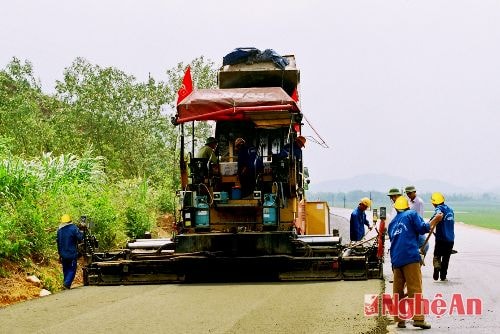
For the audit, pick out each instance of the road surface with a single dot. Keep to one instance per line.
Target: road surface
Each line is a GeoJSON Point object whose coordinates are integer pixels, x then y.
{"type": "Point", "coordinates": [318, 307]}
{"type": "Point", "coordinates": [302, 307]}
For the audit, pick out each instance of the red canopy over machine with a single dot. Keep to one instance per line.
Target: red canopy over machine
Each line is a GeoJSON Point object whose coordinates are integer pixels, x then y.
{"type": "Point", "coordinates": [260, 105]}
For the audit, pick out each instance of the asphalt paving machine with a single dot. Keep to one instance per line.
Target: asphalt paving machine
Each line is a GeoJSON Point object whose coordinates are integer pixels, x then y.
{"type": "Point", "coordinates": [228, 230]}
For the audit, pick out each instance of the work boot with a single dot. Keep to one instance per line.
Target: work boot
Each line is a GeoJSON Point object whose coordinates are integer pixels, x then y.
{"type": "Point", "coordinates": [401, 324]}
{"type": "Point", "coordinates": [435, 275]}
{"type": "Point", "coordinates": [436, 262]}
{"type": "Point", "coordinates": [442, 274]}
{"type": "Point", "coordinates": [422, 324]}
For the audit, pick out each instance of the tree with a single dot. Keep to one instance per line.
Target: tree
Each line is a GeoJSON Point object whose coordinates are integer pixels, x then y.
{"type": "Point", "coordinates": [25, 112]}
{"type": "Point", "coordinates": [120, 117]}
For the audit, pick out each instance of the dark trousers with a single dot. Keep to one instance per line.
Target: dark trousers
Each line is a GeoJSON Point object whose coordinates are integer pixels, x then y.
{"type": "Point", "coordinates": [442, 253]}
{"type": "Point", "coordinates": [69, 271]}
{"type": "Point", "coordinates": [247, 182]}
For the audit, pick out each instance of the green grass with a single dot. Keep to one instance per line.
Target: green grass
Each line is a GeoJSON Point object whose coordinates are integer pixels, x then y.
{"type": "Point", "coordinates": [479, 213]}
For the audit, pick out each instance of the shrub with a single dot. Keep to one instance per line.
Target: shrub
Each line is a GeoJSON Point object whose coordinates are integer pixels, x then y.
{"type": "Point", "coordinates": [13, 244]}
{"type": "Point", "coordinates": [137, 222]}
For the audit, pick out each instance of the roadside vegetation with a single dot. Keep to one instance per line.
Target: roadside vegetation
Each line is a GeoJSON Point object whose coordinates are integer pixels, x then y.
{"type": "Point", "coordinates": [102, 146]}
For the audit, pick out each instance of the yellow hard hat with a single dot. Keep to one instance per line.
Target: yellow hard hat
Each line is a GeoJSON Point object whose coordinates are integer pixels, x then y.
{"type": "Point", "coordinates": [365, 201]}
{"type": "Point", "coordinates": [437, 198]}
{"type": "Point", "coordinates": [401, 203]}
{"type": "Point", "coordinates": [65, 218]}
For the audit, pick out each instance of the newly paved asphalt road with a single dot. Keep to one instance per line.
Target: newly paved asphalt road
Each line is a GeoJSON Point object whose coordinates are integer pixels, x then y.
{"type": "Point", "coordinates": [303, 307]}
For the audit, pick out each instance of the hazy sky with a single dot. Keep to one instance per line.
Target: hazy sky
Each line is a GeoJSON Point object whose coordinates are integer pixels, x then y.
{"type": "Point", "coordinates": [405, 88]}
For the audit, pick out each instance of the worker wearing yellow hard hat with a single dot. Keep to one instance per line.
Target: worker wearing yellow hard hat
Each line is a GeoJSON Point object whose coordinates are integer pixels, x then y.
{"type": "Point", "coordinates": [358, 220]}
{"type": "Point", "coordinates": [68, 236]}
{"type": "Point", "coordinates": [445, 236]}
{"type": "Point", "coordinates": [403, 231]}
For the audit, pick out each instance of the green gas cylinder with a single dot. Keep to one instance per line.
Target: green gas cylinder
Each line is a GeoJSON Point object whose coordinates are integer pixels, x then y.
{"type": "Point", "coordinates": [201, 212]}
{"type": "Point", "coordinates": [270, 210]}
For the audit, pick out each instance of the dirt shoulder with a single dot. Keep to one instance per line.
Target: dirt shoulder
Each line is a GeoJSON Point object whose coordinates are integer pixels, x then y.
{"type": "Point", "coordinates": [15, 286]}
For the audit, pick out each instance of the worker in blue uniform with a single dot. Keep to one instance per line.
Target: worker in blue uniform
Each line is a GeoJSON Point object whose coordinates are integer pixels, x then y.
{"type": "Point", "coordinates": [299, 144]}
{"type": "Point", "coordinates": [358, 220]}
{"type": "Point", "coordinates": [445, 236]}
{"type": "Point", "coordinates": [404, 231]}
{"type": "Point", "coordinates": [68, 237]}
{"type": "Point", "coordinates": [249, 166]}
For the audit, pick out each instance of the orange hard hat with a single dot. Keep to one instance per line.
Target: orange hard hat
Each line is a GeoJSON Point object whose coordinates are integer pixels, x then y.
{"type": "Point", "coordinates": [301, 140]}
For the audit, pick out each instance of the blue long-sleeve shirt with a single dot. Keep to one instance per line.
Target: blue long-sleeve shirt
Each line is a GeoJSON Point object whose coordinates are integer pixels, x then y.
{"type": "Point", "coordinates": [445, 229]}
{"type": "Point", "coordinates": [68, 236]}
{"type": "Point", "coordinates": [404, 231]}
{"type": "Point", "coordinates": [357, 224]}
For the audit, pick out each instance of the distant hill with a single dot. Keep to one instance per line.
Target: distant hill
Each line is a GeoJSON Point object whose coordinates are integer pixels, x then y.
{"type": "Point", "coordinates": [382, 183]}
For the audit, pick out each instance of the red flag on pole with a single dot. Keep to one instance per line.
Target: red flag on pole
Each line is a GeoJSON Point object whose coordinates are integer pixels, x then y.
{"type": "Point", "coordinates": [186, 87]}
{"type": "Point", "coordinates": [295, 95]}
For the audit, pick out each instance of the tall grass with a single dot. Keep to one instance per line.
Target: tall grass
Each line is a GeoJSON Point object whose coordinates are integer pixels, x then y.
{"type": "Point", "coordinates": [35, 193]}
